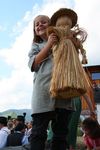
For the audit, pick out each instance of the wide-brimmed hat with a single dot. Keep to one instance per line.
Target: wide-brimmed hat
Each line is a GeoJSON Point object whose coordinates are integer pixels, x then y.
{"type": "Point", "coordinates": [64, 12]}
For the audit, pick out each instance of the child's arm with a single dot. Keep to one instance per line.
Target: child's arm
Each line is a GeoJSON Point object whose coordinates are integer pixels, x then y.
{"type": "Point", "coordinates": [44, 51]}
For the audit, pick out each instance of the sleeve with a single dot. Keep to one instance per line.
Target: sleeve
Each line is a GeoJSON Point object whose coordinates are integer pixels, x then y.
{"type": "Point", "coordinates": [3, 139]}
{"type": "Point", "coordinates": [32, 54]}
{"type": "Point", "coordinates": [25, 140]}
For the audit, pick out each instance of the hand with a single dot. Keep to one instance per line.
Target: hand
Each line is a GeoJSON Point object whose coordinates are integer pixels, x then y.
{"type": "Point", "coordinates": [52, 39]}
{"type": "Point", "coordinates": [93, 114]}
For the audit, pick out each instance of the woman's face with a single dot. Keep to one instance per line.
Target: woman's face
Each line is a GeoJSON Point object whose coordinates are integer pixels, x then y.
{"type": "Point", "coordinates": [63, 21]}
{"type": "Point", "coordinates": [40, 25]}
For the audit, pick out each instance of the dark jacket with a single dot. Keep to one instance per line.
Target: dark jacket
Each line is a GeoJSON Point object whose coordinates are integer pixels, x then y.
{"type": "Point", "coordinates": [15, 139]}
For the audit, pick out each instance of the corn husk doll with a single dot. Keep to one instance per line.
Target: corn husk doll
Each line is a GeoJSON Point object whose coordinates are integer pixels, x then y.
{"type": "Point", "coordinates": [68, 78]}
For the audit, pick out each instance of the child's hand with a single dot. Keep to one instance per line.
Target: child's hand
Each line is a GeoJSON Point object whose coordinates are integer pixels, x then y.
{"type": "Point", "coordinates": [52, 39]}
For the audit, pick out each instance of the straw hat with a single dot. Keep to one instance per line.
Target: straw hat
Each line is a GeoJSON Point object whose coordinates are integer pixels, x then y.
{"type": "Point", "coordinates": [64, 12]}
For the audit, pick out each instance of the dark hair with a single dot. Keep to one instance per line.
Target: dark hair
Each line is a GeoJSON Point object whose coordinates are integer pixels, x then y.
{"type": "Point", "coordinates": [3, 120]}
{"type": "Point", "coordinates": [93, 127]}
{"type": "Point", "coordinates": [37, 38]}
{"type": "Point", "coordinates": [21, 118]}
{"type": "Point", "coordinates": [20, 127]}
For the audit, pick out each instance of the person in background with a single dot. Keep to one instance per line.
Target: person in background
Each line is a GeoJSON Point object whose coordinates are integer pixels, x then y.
{"type": "Point", "coordinates": [18, 137]}
{"type": "Point", "coordinates": [75, 116]}
{"type": "Point", "coordinates": [20, 119]}
{"type": "Point", "coordinates": [44, 107]}
{"type": "Point", "coordinates": [91, 129]}
{"type": "Point", "coordinates": [29, 129]}
{"type": "Point", "coordinates": [73, 123]}
{"type": "Point", "coordinates": [4, 131]}
{"type": "Point", "coordinates": [10, 125]}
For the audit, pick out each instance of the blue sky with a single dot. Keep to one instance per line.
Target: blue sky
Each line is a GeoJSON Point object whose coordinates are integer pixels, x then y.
{"type": "Point", "coordinates": [10, 12]}
{"type": "Point", "coordinates": [16, 17]}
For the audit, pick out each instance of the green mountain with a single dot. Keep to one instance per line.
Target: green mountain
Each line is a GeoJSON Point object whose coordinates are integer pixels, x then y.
{"type": "Point", "coordinates": [14, 112]}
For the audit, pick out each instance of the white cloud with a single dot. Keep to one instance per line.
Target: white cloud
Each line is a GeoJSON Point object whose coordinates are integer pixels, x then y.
{"type": "Point", "coordinates": [17, 89]}
{"type": "Point", "coordinates": [88, 14]}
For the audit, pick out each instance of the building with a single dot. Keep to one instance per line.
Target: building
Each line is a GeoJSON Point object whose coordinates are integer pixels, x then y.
{"type": "Point", "coordinates": [93, 73]}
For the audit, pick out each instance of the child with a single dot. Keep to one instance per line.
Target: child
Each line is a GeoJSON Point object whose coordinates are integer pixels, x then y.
{"type": "Point", "coordinates": [69, 78]}
{"type": "Point", "coordinates": [91, 129]}
{"type": "Point", "coordinates": [44, 107]}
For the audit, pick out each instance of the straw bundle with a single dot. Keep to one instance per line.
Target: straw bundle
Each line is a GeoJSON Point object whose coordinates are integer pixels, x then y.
{"type": "Point", "coordinates": [68, 76]}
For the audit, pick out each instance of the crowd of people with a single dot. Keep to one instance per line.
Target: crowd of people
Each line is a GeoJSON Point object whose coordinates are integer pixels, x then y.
{"type": "Point", "coordinates": [14, 131]}
{"type": "Point", "coordinates": [17, 132]}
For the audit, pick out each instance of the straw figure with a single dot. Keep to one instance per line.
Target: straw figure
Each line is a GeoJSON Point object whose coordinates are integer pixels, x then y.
{"type": "Point", "coordinates": [68, 78]}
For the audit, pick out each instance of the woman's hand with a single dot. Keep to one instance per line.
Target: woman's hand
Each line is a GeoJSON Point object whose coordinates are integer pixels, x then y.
{"type": "Point", "coordinates": [93, 115]}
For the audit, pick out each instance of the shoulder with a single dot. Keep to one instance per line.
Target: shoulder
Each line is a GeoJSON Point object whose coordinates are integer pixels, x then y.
{"type": "Point", "coordinates": [34, 49]}
{"type": "Point", "coordinates": [4, 130]}
{"type": "Point", "coordinates": [37, 46]}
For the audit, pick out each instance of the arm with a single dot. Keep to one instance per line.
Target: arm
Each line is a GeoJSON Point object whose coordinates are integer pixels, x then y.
{"type": "Point", "coordinates": [87, 142]}
{"type": "Point", "coordinates": [88, 101]}
{"type": "Point", "coordinates": [44, 52]}
{"type": "Point", "coordinates": [3, 139]}
{"type": "Point", "coordinates": [37, 55]}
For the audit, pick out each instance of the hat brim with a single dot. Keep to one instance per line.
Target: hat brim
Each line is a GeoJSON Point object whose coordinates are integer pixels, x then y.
{"type": "Point", "coordinates": [64, 12]}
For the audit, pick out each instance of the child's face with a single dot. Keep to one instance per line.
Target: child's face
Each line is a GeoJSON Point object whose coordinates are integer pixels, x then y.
{"type": "Point", "coordinates": [40, 25]}
{"type": "Point", "coordinates": [63, 21]}
{"type": "Point", "coordinates": [86, 131]}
